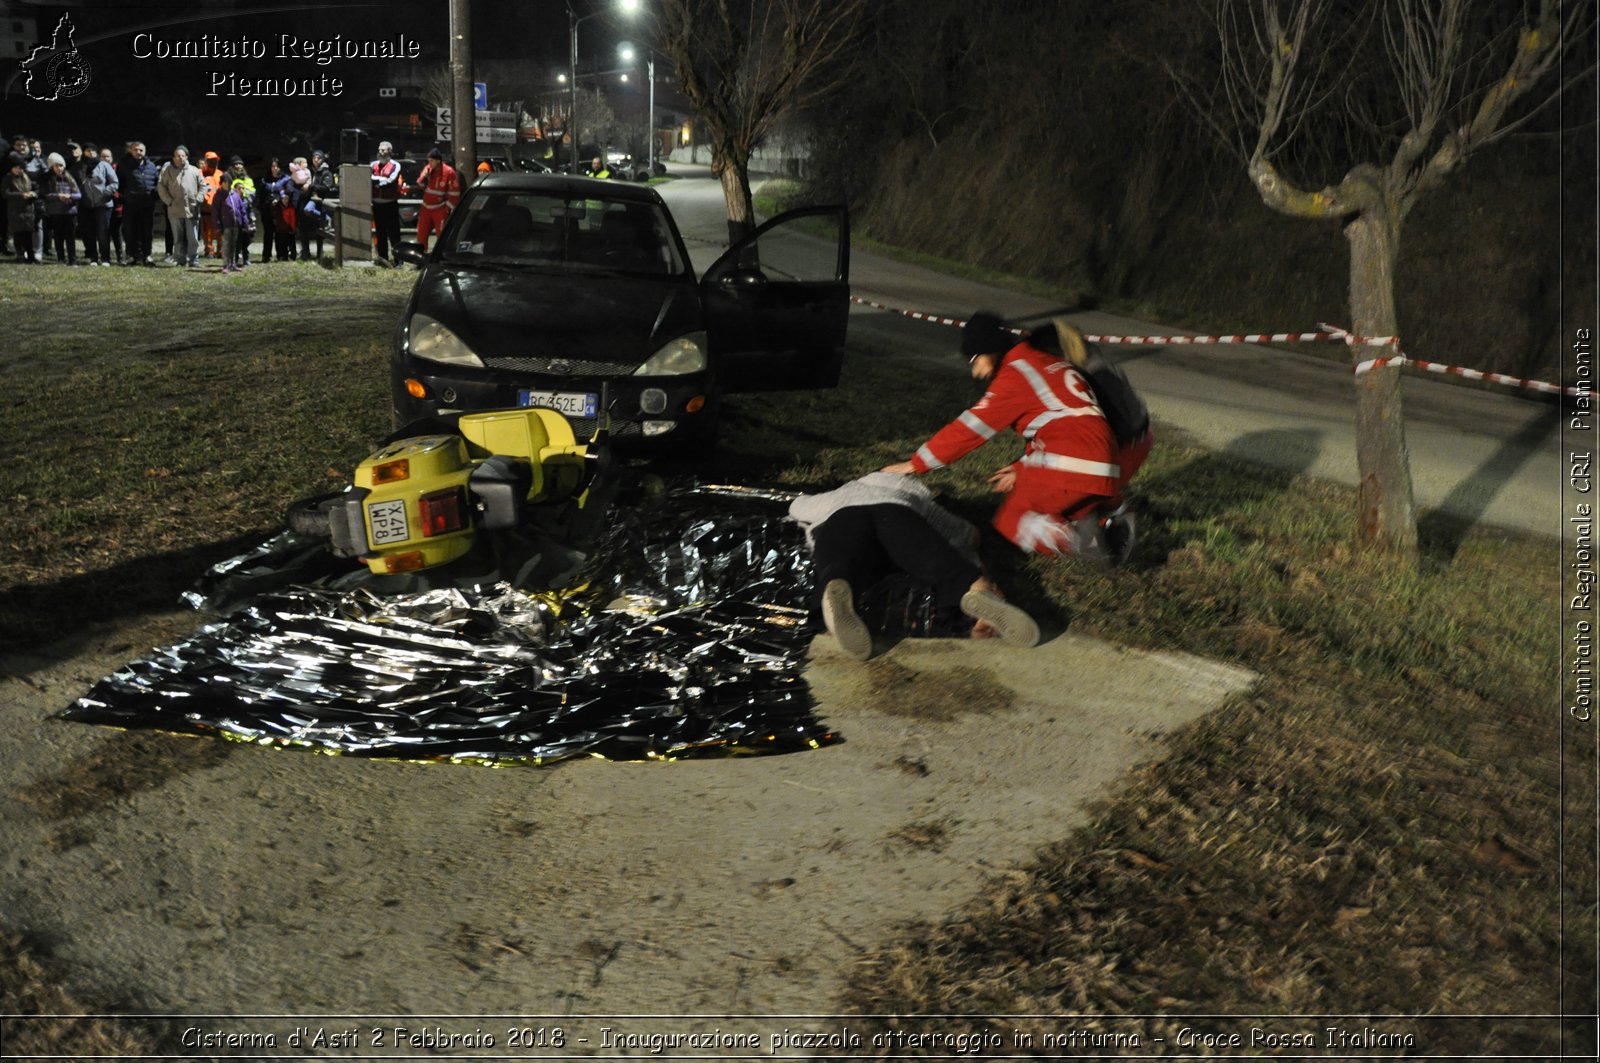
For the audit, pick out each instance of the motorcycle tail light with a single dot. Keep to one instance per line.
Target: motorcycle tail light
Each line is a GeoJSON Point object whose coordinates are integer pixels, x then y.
{"type": "Point", "coordinates": [391, 471]}
{"type": "Point", "coordinates": [442, 512]}
{"type": "Point", "coordinates": [409, 561]}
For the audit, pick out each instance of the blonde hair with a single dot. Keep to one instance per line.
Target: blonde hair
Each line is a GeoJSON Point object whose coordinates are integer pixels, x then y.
{"type": "Point", "coordinates": [1072, 343]}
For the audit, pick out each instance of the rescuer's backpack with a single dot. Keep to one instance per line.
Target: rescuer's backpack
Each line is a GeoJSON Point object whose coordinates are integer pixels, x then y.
{"type": "Point", "coordinates": [1125, 411]}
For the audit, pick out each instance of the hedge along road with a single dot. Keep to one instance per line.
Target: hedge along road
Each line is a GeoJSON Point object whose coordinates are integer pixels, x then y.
{"type": "Point", "coordinates": [1491, 456]}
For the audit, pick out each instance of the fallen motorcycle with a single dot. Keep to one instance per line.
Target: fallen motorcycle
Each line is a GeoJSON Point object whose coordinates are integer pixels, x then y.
{"type": "Point", "coordinates": [425, 500]}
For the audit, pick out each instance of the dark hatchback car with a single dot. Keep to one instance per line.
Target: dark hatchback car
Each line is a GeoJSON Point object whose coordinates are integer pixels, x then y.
{"type": "Point", "coordinates": [555, 291]}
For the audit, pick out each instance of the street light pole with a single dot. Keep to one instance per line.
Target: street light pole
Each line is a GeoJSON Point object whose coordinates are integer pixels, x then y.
{"type": "Point", "coordinates": [572, 75]}
{"type": "Point", "coordinates": [574, 19]}
{"type": "Point", "coordinates": [650, 130]}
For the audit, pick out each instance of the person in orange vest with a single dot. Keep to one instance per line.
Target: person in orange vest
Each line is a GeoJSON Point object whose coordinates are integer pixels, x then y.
{"type": "Point", "coordinates": [441, 191]}
{"type": "Point", "coordinates": [211, 172]}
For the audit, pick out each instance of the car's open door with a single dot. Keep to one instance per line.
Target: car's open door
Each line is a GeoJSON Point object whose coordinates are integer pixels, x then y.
{"type": "Point", "coordinates": [777, 302]}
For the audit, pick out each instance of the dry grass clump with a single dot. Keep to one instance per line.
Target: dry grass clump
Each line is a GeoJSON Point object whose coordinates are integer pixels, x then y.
{"type": "Point", "coordinates": [939, 695]}
{"type": "Point", "coordinates": [45, 1021]}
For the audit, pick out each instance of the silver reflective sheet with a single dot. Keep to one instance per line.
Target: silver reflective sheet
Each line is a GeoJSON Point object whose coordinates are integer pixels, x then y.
{"type": "Point", "coordinates": [683, 632]}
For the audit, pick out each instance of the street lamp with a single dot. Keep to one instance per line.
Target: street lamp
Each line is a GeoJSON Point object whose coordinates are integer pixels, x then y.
{"type": "Point", "coordinates": [573, 21]}
{"type": "Point", "coordinates": [650, 121]}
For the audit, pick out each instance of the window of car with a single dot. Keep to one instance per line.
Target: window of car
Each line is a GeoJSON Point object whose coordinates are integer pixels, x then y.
{"type": "Point", "coordinates": [545, 230]}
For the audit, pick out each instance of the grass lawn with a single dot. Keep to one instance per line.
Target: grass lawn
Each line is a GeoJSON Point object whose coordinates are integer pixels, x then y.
{"type": "Point", "coordinates": [1376, 829]}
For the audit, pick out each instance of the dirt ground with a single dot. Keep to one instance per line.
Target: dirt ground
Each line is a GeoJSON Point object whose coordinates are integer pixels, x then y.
{"type": "Point", "coordinates": [190, 876]}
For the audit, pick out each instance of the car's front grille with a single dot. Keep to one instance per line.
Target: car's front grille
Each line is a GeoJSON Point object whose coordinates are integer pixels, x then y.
{"type": "Point", "coordinates": [562, 366]}
{"type": "Point", "coordinates": [583, 428]}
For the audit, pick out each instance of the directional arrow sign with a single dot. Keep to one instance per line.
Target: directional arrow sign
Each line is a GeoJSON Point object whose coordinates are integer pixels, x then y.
{"type": "Point", "coordinates": [442, 117]}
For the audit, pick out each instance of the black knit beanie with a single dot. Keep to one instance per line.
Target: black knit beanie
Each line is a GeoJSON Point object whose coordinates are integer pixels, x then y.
{"type": "Point", "coordinates": [985, 333]}
{"type": "Point", "coordinates": [1044, 337]}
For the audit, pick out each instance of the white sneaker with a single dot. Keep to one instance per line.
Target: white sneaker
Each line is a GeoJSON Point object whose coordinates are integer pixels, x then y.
{"type": "Point", "coordinates": [846, 627]}
{"type": "Point", "coordinates": [1015, 626]}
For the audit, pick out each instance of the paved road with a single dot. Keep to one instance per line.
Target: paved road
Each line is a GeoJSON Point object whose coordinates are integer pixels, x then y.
{"type": "Point", "coordinates": [1491, 457]}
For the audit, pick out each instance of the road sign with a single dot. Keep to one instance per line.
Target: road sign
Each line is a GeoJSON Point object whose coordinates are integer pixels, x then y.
{"type": "Point", "coordinates": [485, 119]}
{"type": "Point", "coordinates": [486, 135]}
{"type": "Point", "coordinates": [480, 95]}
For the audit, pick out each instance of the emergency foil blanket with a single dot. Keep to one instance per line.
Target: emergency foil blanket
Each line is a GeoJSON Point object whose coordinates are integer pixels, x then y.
{"type": "Point", "coordinates": [684, 632]}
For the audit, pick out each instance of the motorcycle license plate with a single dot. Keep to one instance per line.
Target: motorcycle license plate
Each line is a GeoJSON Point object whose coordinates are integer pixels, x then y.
{"type": "Point", "coordinates": [570, 403]}
{"type": "Point", "coordinates": [388, 522]}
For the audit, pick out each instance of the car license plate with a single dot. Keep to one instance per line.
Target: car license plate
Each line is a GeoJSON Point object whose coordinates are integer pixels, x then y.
{"type": "Point", "coordinates": [388, 522]}
{"type": "Point", "coordinates": [570, 403]}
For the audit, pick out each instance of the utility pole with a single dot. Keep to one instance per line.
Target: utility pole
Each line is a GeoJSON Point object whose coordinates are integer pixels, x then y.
{"type": "Point", "coordinates": [572, 73]}
{"type": "Point", "coordinates": [464, 118]}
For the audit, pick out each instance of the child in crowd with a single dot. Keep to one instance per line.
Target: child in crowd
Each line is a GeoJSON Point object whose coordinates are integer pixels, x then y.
{"type": "Point", "coordinates": [230, 216]}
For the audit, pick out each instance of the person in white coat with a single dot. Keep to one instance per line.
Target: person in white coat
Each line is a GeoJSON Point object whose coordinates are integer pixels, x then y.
{"type": "Point", "coordinates": [182, 191]}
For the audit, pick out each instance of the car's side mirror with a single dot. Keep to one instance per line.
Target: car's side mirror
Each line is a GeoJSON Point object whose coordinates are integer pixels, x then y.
{"type": "Point", "coordinates": [411, 252]}
{"type": "Point", "coordinates": [743, 278]}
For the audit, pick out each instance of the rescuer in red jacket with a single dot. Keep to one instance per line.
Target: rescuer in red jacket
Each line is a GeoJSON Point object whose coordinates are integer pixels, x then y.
{"type": "Point", "coordinates": [441, 191]}
{"type": "Point", "coordinates": [1069, 479]}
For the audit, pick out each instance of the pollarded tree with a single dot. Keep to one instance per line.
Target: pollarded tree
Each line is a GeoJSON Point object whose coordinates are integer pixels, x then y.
{"type": "Point", "coordinates": [744, 64]}
{"type": "Point", "coordinates": [1421, 85]}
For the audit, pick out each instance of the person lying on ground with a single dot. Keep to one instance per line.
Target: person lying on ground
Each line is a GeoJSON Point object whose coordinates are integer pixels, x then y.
{"type": "Point", "coordinates": [882, 524]}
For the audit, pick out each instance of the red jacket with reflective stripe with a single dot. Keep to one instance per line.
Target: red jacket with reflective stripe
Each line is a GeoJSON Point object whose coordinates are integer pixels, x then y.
{"type": "Point", "coordinates": [388, 184]}
{"type": "Point", "coordinates": [441, 187]}
{"type": "Point", "coordinates": [1050, 405]}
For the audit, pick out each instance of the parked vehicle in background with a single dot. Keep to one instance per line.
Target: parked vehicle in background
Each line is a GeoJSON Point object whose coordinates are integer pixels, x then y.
{"type": "Point", "coordinates": [549, 291]}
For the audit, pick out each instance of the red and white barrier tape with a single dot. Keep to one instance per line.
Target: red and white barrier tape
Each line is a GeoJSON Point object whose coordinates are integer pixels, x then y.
{"type": "Point", "coordinates": [1326, 332]}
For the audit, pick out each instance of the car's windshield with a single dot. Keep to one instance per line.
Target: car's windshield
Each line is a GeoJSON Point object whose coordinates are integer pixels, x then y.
{"type": "Point", "coordinates": [545, 229]}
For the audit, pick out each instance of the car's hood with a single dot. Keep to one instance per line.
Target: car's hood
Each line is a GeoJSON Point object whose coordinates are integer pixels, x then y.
{"type": "Point", "coordinates": [520, 313]}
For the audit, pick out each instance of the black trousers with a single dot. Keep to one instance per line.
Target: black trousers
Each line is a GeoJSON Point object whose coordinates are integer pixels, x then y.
{"type": "Point", "coordinates": [386, 216]}
{"type": "Point", "coordinates": [62, 229]}
{"type": "Point", "coordinates": [864, 544]}
{"type": "Point", "coordinates": [138, 225]}
{"type": "Point", "coordinates": [94, 228]}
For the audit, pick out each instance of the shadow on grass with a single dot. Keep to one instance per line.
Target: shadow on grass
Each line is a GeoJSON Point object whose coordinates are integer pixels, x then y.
{"type": "Point", "coordinates": [1174, 507]}
{"type": "Point", "coordinates": [65, 614]}
{"type": "Point", "coordinates": [1441, 530]}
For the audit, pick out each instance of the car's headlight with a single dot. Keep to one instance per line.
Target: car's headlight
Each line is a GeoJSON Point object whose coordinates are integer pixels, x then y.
{"type": "Point", "coordinates": [686, 354]}
{"type": "Point", "coordinates": [431, 340]}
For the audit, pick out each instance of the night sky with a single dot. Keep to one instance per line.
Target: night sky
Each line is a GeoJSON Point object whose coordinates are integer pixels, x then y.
{"type": "Point", "coordinates": [212, 102]}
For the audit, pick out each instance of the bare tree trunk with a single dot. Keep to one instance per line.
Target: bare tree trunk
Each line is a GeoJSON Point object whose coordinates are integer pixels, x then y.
{"type": "Point", "coordinates": [742, 65]}
{"type": "Point", "coordinates": [734, 174]}
{"type": "Point", "coordinates": [1445, 100]}
{"type": "Point", "coordinates": [1387, 514]}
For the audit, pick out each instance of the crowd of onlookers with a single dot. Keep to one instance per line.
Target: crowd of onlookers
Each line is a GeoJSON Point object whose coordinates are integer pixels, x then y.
{"type": "Point", "coordinates": [115, 207]}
